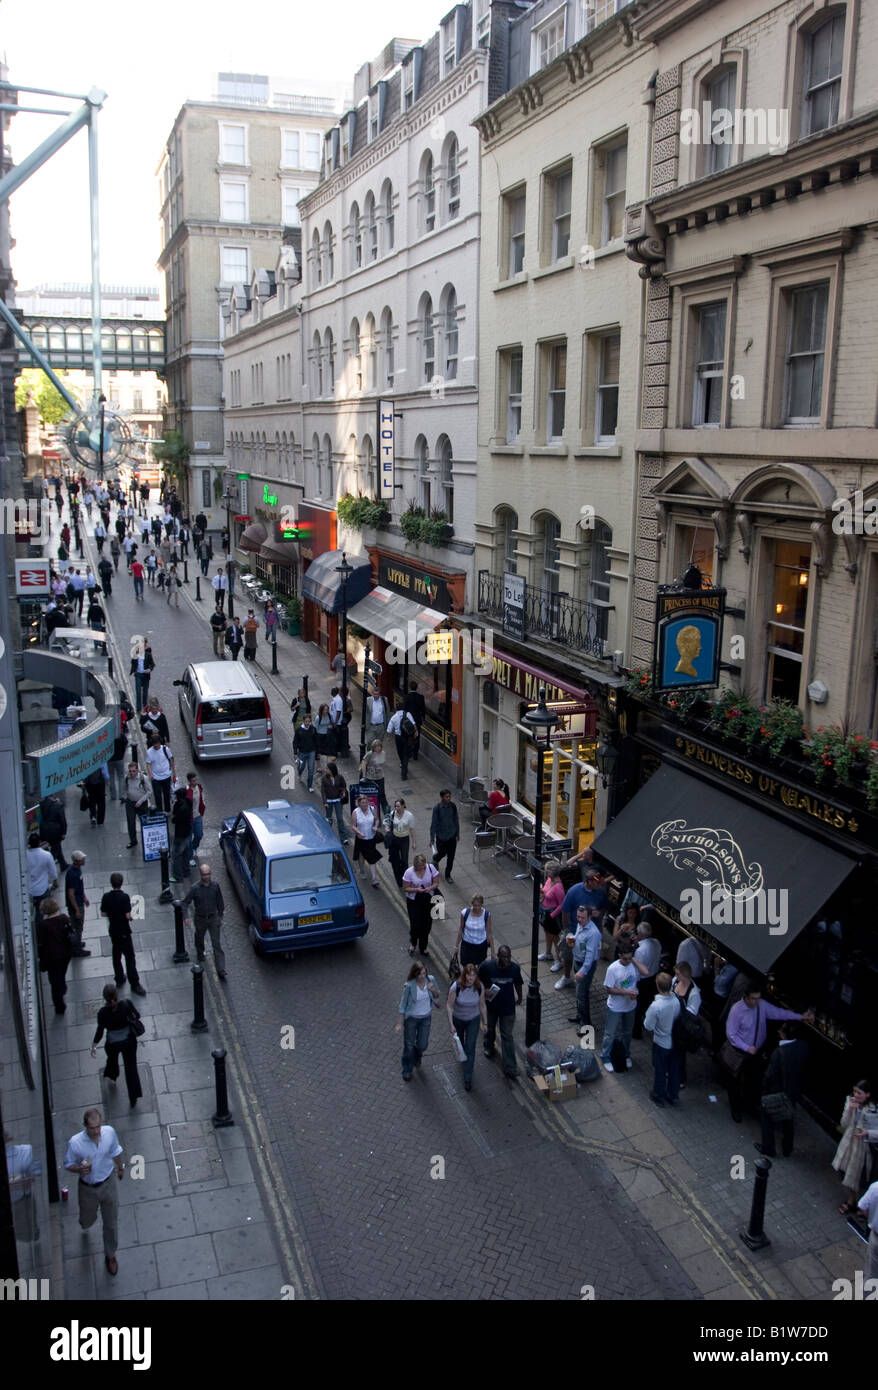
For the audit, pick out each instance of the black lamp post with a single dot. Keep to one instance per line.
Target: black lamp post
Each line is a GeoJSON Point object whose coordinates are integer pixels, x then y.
{"type": "Point", "coordinates": [539, 720]}
{"type": "Point", "coordinates": [102, 401]}
{"type": "Point", "coordinates": [227, 498]}
{"type": "Point", "coordinates": [345, 570]}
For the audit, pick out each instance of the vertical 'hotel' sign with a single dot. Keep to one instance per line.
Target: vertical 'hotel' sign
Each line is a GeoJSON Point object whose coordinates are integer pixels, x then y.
{"type": "Point", "coordinates": [385, 451]}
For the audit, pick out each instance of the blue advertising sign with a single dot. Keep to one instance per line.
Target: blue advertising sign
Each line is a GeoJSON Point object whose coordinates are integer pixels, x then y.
{"type": "Point", "coordinates": [69, 761]}
{"type": "Point", "coordinates": [688, 638]}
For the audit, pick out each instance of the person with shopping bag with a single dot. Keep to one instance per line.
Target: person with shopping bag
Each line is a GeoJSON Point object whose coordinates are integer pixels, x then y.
{"type": "Point", "coordinates": [466, 1008]}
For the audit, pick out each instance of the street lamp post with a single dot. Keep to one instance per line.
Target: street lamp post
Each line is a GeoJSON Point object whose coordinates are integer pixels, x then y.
{"type": "Point", "coordinates": [227, 498]}
{"type": "Point", "coordinates": [345, 570]}
{"type": "Point", "coordinates": [366, 677]}
{"type": "Point", "coordinates": [538, 720]}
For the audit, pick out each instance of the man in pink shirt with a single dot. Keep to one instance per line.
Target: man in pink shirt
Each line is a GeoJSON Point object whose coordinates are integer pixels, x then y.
{"type": "Point", "coordinates": [746, 1028]}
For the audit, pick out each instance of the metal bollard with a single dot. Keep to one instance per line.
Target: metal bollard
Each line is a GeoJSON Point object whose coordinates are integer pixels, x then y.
{"type": "Point", "coordinates": [223, 1117]}
{"type": "Point", "coordinates": [198, 588]}
{"type": "Point", "coordinates": [181, 955]}
{"type": "Point", "coordinates": [274, 658]}
{"type": "Point", "coordinates": [185, 571]}
{"type": "Point", "coordinates": [754, 1237]}
{"type": "Point", "coordinates": [199, 1022]}
{"type": "Point", "coordinates": [109, 666]}
{"type": "Point", "coordinates": [231, 606]}
{"type": "Point", "coordinates": [165, 896]}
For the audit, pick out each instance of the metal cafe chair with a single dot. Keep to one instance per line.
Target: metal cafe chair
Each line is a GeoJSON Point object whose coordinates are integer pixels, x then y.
{"type": "Point", "coordinates": [484, 839]}
{"type": "Point", "coordinates": [476, 795]}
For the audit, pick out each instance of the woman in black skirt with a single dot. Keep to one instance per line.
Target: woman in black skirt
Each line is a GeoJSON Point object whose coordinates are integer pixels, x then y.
{"type": "Point", "coordinates": [116, 1018]}
{"type": "Point", "coordinates": [365, 848]}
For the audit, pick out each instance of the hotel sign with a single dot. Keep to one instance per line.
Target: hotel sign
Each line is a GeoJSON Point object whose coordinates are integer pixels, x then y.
{"type": "Point", "coordinates": [386, 451]}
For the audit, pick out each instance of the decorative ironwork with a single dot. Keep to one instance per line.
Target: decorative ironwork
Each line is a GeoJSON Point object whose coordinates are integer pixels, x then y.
{"type": "Point", "coordinates": [554, 617]}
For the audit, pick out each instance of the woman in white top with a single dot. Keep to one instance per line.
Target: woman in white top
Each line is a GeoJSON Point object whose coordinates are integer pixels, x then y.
{"type": "Point", "coordinates": [400, 836]}
{"type": "Point", "coordinates": [418, 883]}
{"type": "Point", "coordinates": [474, 937]}
{"type": "Point", "coordinates": [365, 848]}
{"type": "Point", "coordinates": [372, 770]}
{"type": "Point", "coordinates": [419, 997]}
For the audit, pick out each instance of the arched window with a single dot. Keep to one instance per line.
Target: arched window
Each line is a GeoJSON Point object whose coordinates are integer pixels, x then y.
{"type": "Point", "coordinates": [328, 251]}
{"type": "Point", "coordinates": [350, 482]}
{"type": "Point", "coordinates": [546, 557]}
{"type": "Point", "coordinates": [449, 330]}
{"type": "Point", "coordinates": [356, 238]}
{"type": "Point", "coordinates": [505, 527]}
{"type": "Point", "coordinates": [370, 229]}
{"type": "Point", "coordinates": [356, 373]}
{"type": "Point", "coordinates": [291, 458]}
{"type": "Point", "coordinates": [422, 474]}
{"type": "Point", "coordinates": [387, 207]}
{"type": "Point", "coordinates": [316, 258]}
{"type": "Point", "coordinates": [446, 477]}
{"type": "Point", "coordinates": [316, 467]}
{"type": "Point", "coordinates": [367, 357]}
{"type": "Point", "coordinates": [593, 579]}
{"type": "Point", "coordinates": [452, 179]}
{"type": "Point", "coordinates": [387, 350]}
{"type": "Point", "coordinates": [316, 366]}
{"type": "Point", "coordinates": [428, 193]}
{"type": "Point", "coordinates": [329, 350]}
{"type": "Point", "coordinates": [328, 468]}
{"type": "Point", "coordinates": [369, 460]}
{"type": "Point", "coordinates": [428, 342]}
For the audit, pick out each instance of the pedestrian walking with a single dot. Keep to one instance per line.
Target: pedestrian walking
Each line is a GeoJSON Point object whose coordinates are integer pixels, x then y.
{"type": "Point", "coordinates": [53, 824]}
{"type": "Point", "coordinates": [117, 1019]}
{"type": "Point", "coordinates": [77, 579]}
{"type": "Point", "coordinates": [137, 575]}
{"type": "Point", "coordinates": [445, 832]}
{"type": "Point", "coordinates": [474, 938]}
{"type": "Point", "coordinates": [372, 770]}
{"type": "Point", "coordinates": [220, 585]}
{"type": "Point", "coordinates": [205, 555]}
{"type": "Point", "coordinates": [415, 705]}
{"type": "Point", "coordinates": [404, 729]}
{"type": "Point", "coordinates": [551, 899]}
{"type": "Point", "coordinates": [586, 953]}
{"type": "Point", "coordinates": [195, 793]}
{"type": "Point", "coordinates": [365, 826]}
{"type": "Point", "coordinates": [95, 1154]}
{"type": "Point", "coordinates": [136, 800]}
{"type": "Point", "coordinates": [420, 996]}
{"type": "Point", "coordinates": [181, 849]}
{"type": "Point", "coordinates": [151, 564]}
{"type": "Point", "coordinates": [781, 1089]}
{"type": "Point", "coordinates": [96, 619]}
{"type": "Point", "coordinates": [620, 983]}
{"type": "Point", "coordinates": [95, 787]}
{"type": "Point", "coordinates": [129, 545]}
{"type": "Point", "coordinates": [270, 619]}
{"type": "Point", "coordinates": [305, 749]}
{"type": "Point", "coordinates": [76, 901]}
{"type": "Point", "coordinates": [173, 584]}
{"type": "Point", "coordinates": [503, 993]}
{"type": "Point", "coordinates": [300, 705]}
{"type": "Point", "coordinates": [142, 667]}
{"type": "Point", "coordinates": [160, 762]}
{"type": "Point", "coordinates": [377, 717]}
{"type": "Point", "coordinates": [115, 551]}
{"type": "Point", "coordinates": [105, 570]}
{"type": "Point", "coordinates": [165, 553]}
{"type": "Point", "coordinates": [466, 1007]}
{"type": "Point", "coordinates": [659, 1020]}
{"type": "Point", "coordinates": [419, 885]}
{"type": "Point", "coordinates": [116, 761]}
{"type": "Point", "coordinates": [154, 721]}
{"type": "Point", "coordinates": [400, 838]}
{"type": "Point", "coordinates": [41, 871]}
{"type": "Point", "coordinates": [326, 745]}
{"type": "Point", "coordinates": [55, 946]}
{"type": "Point", "coordinates": [235, 637]}
{"type": "Point", "coordinates": [100, 535]}
{"type": "Point", "coordinates": [852, 1158]}
{"type": "Point", "coordinates": [333, 789]}
{"type": "Point", "coordinates": [251, 633]}
{"type": "Point", "coordinates": [218, 631]}
{"type": "Point", "coordinates": [183, 538]}
{"type": "Point", "coordinates": [116, 907]}
{"type": "Point", "coordinates": [208, 908]}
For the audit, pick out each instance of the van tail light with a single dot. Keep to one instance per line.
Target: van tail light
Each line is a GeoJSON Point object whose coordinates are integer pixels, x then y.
{"type": "Point", "coordinates": [360, 913]}
{"type": "Point", "coordinates": [267, 926]}
{"type": "Point", "coordinates": [267, 716]}
{"type": "Point", "coordinates": [199, 732]}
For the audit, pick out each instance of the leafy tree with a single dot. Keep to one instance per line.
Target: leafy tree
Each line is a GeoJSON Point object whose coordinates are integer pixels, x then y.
{"type": "Point", "coordinates": [49, 401]}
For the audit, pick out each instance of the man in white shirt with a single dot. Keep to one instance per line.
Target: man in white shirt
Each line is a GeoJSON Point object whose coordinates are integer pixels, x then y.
{"type": "Point", "coordinates": [41, 871]}
{"type": "Point", "coordinates": [868, 1205]}
{"type": "Point", "coordinates": [620, 983]}
{"type": "Point", "coordinates": [647, 953]}
{"type": "Point", "coordinates": [160, 761]}
{"type": "Point", "coordinates": [404, 730]}
{"type": "Point", "coordinates": [220, 584]}
{"type": "Point", "coordinates": [96, 1155]}
{"type": "Point", "coordinates": [695, 956]}
{"type": "Point", "coordinates": [377, 719]}
{"type": "Point", "coordinates": [659, 1020]}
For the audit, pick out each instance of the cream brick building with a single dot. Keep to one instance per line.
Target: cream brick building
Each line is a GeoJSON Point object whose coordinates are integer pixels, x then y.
{"type": "Point", "coordinates": [231, 177]}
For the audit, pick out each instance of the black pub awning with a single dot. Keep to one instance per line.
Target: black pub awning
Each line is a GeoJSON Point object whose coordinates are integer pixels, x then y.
{"type": "Point", "coordinates": [731, 872]}
{"type": "Point", "coordinates": [322, 582]}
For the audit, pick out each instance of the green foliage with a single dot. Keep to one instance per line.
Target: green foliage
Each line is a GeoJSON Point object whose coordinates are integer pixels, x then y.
{"type": "Point", "coordinates": [417, 526]}
{"type": "Point", "coordinates": [173, 449]}
{"type": "Point", "coordinates": [361, 512]}
{"type": "Point", "coordinates": [832, 752]}
{"type": "Point", "coordinates": [49, 401]}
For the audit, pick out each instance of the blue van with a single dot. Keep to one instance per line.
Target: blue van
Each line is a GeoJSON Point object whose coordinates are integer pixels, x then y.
{"type": "Point", "coordinates": [293, 878]}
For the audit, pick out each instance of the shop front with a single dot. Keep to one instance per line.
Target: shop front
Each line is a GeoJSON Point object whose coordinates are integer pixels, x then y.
{"type": "Point", "coordinates": [320, 534]}
{"type": "Point", "coordinates": [510, 687]}
{"type": "Point", "coordinates": [767, 872]}
{"type": "Point", "coordinates": [408, 603]}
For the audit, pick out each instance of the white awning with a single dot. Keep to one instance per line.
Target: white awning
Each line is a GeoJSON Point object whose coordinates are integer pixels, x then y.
{"type": "Point", "coordinates": [398, 620]}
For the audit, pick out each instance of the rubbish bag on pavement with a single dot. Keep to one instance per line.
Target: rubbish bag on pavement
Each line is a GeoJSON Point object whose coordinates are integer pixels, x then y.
{"type": "Point", "coordinates": [541, 1055]}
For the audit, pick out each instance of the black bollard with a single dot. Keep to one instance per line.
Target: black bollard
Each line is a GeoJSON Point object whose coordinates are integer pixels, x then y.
{"type": "Point", "coordinates": [274, 658]}
{"type": "Point", "coordinates": [199, 1022]}
{"type": "Point", "coordinates": [754, 1237]}
{"type": "Point", "coordinates": [198, 588]}
{"type": "Point", "coordinates": [165, 896]}
{"type": "Point", "coordinates": [181, 955]}
{"type": "Point", "coordinates": [223, 1117]}
{"type": "Point", "coordinates": [109, 664]}
{"type": "Point", "coordinates": [185, 571]}
{"type": "Point", "coordinates": [231, 606]}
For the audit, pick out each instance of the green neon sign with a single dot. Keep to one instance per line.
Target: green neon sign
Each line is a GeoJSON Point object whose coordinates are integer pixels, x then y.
{"type": "Point", "coordinates": [269, 497]}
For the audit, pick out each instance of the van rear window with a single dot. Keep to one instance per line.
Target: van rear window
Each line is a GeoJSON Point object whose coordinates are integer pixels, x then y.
{"type": "Point", "coordinates": [233, 709]}
{"type": "Point", "coordinates": [303, 871]}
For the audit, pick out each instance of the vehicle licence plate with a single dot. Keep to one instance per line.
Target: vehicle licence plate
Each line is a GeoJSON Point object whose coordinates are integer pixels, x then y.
{"type": "Point", "coordinates": [313, 918]}
{"type": "Point", "coordinates": [234, 733]}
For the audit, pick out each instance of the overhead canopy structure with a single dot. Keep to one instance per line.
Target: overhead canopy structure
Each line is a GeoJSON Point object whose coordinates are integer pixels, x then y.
{"type": "Point", "coordinates": [322, 582]}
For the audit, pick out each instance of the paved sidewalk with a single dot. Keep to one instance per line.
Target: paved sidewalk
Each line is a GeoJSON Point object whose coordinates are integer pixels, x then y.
{"type": "Point", "coordinates": [195, 1226]}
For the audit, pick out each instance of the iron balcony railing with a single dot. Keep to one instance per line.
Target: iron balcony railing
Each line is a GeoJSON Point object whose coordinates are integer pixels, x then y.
{"type": "Point", "coordinates": [555, 617]}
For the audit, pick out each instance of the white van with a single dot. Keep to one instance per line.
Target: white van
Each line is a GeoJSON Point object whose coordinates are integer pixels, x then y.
{"type": "Point", "coordinates": [225, 711]}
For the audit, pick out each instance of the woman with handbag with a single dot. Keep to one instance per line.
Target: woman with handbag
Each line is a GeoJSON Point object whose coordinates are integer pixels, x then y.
{"type": "Point", "coordinates": [418, 883]}
{"type": "Point", "coordinates": [859, 1119]}
{"type": "Point", "coordinates": [121, 1022]}
{"type": "Point", "coordinates": [466, 1006]}
{"type": "Point", "coordinates": [400, 837]}
{"type": "Point", "coordinates": [419, 998]}
{"type": "Point", "coordinates": [552, 896]}
{"type": "Point", "coordinates": [474, 937]}
{"type": "Point", "coordinates": [136, 800]}
{"type": "Point", "coordinates": [55, 944]}
{"type": "Point", "coordinates": [366, 832]}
